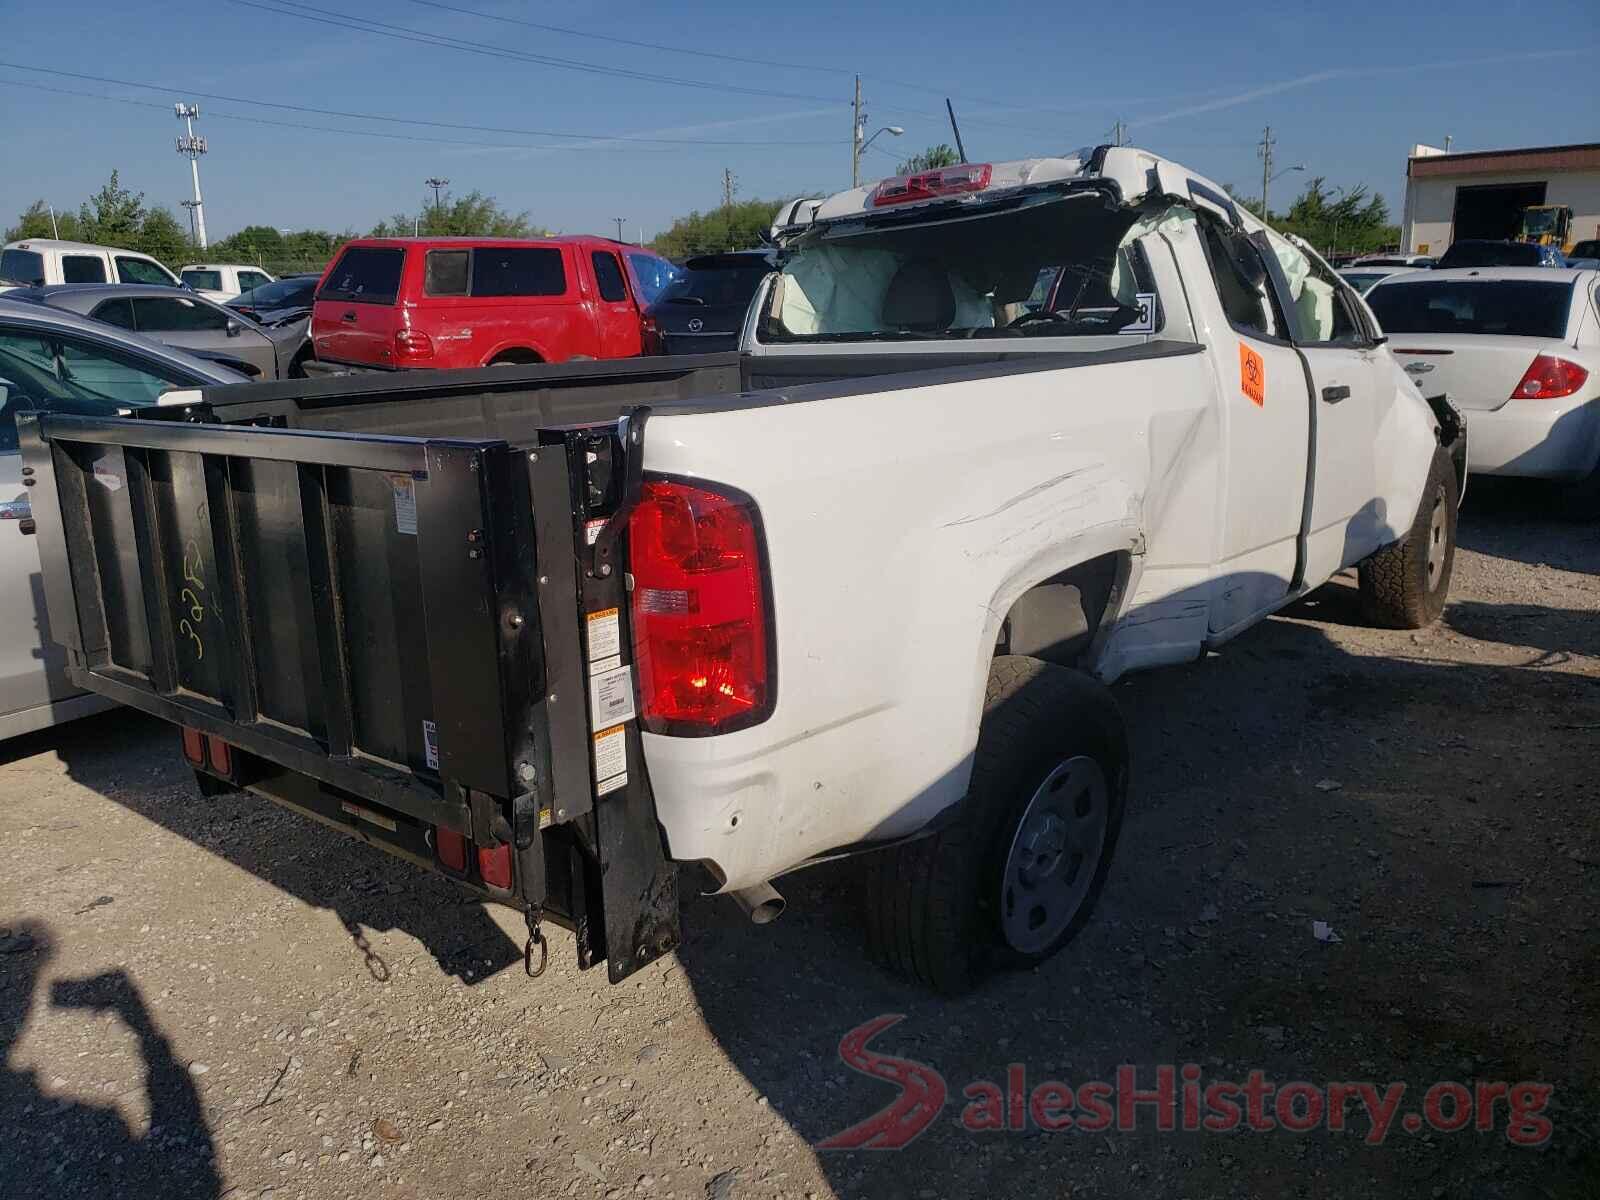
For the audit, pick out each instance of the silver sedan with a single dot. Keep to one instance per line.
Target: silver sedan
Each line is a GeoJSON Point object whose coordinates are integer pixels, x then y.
{"type": "Point", "coordinates": [184, 320]}
{"type": "Point", "coordinates": [54, 361]}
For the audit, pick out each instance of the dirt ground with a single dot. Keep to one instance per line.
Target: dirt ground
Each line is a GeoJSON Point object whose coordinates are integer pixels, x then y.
{"type": "Point", "coordinates": [218, 998]}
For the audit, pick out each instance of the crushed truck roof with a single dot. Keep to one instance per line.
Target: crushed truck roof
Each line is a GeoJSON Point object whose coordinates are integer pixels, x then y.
{"type": "Point", "coordinates": [1133, 173]}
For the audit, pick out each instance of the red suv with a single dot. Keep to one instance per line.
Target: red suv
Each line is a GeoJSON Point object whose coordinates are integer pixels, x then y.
{"type": "Point", "coordinates": [472, 302]}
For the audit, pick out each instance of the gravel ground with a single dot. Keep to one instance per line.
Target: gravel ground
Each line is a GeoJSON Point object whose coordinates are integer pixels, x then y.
{"type": "Point", "coordinates": [218, 998]}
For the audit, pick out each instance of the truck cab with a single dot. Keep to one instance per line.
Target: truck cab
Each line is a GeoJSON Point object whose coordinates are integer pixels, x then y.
{"type": "Point", "coordinates": [42, 261]}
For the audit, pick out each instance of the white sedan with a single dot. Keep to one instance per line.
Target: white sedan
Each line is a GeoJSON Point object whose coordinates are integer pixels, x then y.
{"type": "Point", "coordinates": [1517, 349]}
{"type": "Point", "coordinates": [1365, 278]}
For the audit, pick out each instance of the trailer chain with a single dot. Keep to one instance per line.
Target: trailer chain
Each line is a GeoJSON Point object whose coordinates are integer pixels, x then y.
{"type": "Point", "coordinates": [535, 938]}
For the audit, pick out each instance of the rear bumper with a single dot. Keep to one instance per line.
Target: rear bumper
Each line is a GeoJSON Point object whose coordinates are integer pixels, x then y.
{"type": "Point", "coordinates": [1536, 438]}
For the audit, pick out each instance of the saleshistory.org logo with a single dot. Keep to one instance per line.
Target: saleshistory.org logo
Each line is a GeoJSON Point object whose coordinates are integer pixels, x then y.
{"type": "Point", "coordinates": [1177, 1097]}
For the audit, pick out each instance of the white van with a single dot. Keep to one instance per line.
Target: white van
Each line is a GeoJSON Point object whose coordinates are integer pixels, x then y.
{"type": "Point", "coordinates": [39, 261]}
{"type": "Point", "coordinates": [223, 281]}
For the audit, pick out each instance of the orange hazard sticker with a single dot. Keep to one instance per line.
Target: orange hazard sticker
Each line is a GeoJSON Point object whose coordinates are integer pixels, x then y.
{"type": "Point", "coordinates": [1252, 376]}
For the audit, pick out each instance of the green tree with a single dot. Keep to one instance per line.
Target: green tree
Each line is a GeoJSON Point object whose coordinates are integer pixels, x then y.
{"type": "Point", "coordinates": [934, 156]}
{"type": "Point", "coordinates": [34, 222]}
{"type": "Point", "coordinates": [471, 215]}
{"type": "Point", "coordinates": [112, 216]}
{"type": "Point", "coordinates": [737, 226]}
{"type": "Point", "coordinates": [1353, 222]}
{"type": "Point", "coordinates": [163, 238]}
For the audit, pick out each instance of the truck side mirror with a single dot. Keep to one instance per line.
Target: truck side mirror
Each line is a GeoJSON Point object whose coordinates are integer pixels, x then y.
{"type": "Point", "coordinates": [234, 328]}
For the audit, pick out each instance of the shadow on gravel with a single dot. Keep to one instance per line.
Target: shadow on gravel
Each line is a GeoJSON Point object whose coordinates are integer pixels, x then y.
{"type": "Point", "coordinates": [84, 1149]}
{"type": "Point", "coordinates": [1553, 630]}
{"type": "Point", "coordinates": [1412, 805]}
{"type": "Point", "coordinates": [1529, 521]}
{"type": "Point", "coordinates": [365, 888]}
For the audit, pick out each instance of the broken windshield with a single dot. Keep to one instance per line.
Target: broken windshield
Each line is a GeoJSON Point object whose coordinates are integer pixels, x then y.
{"type": "Point", "coordinates": [1055, 265]}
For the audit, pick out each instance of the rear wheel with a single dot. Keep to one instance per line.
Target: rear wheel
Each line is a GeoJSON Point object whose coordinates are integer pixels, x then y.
{"type": "Point", "coordinates": [515, 358]}
{"type": "Point", "coordinates": [1017, 872]}
{"type": "Point", "coordinates": [1405, 585]}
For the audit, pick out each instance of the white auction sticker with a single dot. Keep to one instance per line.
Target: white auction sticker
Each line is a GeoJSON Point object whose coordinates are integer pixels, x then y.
{"type": "Point", "coordinates": [591, 530]}
{"type": "Point", "coordinates": [1145, 302]}
{"type": "Point", "coordinates": [405, 503]}
{"type": "Point", "coordinates": [610, 756]}
{"type": "Point", "coordinates": [605, 638]}
{"type": "Point", "coordinates": [611, 697]}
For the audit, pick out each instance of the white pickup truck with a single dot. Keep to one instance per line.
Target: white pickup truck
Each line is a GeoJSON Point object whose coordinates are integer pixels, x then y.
{"type": "Point", "coordinates": [999, 433]}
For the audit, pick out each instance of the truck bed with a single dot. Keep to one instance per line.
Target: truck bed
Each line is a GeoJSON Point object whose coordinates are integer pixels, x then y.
{"type": "Point", "coordinates": [372, 599]}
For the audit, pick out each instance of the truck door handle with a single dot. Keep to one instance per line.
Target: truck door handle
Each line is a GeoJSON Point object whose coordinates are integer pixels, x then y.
{"type": "Point", "coordinates": [1336, 393]}
{"type": "Point", "coordinates": [349, 316]}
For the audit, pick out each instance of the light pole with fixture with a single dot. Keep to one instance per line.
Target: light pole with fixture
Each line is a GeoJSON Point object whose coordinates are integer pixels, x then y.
{"type": "Point", "coordinates": [855, 170]}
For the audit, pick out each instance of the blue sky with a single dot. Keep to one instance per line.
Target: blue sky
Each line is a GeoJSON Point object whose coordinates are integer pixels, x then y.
{"type": "Point", "coordinates": [1347, 89]}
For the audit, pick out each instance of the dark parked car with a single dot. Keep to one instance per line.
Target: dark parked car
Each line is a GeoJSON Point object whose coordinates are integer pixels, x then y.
{"type": "Point", "coordinates": [1474, 252]}
{"type": "Point", "coordinates": [281, 300]}
{"type": "Point", "coordinates": [703, 308]}
{"type": "Point", "coordinates": [184, 320]}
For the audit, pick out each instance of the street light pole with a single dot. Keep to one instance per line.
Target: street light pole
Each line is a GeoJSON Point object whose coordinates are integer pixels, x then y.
{"type": "Point", "coordinates": [1333, 250]}
{"type": "Point", "coordinates": [619, 221]}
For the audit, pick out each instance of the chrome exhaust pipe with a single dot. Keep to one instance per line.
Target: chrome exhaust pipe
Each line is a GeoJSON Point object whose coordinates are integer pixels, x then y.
{"type": "Point", "coordinates": [761, 903]}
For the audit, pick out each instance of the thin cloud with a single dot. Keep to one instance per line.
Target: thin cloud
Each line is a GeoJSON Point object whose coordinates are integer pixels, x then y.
{"type": "Point", "coordinates": [1272, 89]}
{"type": "Point", "coordinates": [670, 131]}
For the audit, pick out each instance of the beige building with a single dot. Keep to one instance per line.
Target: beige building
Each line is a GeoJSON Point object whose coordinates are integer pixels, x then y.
{"type": "Point", "coordinates": [1482, 194]}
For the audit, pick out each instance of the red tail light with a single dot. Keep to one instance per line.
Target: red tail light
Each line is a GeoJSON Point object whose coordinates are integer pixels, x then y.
{"type": "Point", "coordinates": [700, 626]}
{"type": "Point", "coordinates": [220, 754]}
{"type": "Point", "coordinates": [412, 346]}
{"type": "Point", "coordinates": [494, 864]}
{"type": "Point", "coordinates": [649, 336]}
{"type": "Point", "coordinates": [1550, 378]}
{"type": "Point", "coordinates": [451, 848]}
{"type": "Point", "coordinates": [194, 747]}
{"type": "Point", "coordinates": [925, 185]}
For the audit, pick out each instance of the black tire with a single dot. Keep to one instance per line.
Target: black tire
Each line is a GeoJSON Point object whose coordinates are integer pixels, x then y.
{"type": "Point", "coordinates": [1405, 585]}
{"type": "Point", "coordinates": [933, 910]}
{"type": "Point", "coordinates": [297, 369]}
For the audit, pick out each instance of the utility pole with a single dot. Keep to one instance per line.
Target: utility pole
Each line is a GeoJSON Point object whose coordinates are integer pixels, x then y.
{"type": "Point", "coordinates": [194, 147]}
{"type": "Point", "coordinates": [619, 221]}
{"type": "Point", "coordinates": [1264, 149]}
{"type": "Point", "coordinates": [729, 186]}
{"type": "Point", "coordinates": [1118, 137]}
{"type": "Point", "coordinates": [438, 184]}
{"type": "Point", "coordinates": [55, 230]}
{"type": "Point", "coordinates": [855, 137]}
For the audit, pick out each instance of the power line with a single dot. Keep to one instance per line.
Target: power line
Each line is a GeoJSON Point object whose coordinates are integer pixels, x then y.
{"type": "Point", "coordinates": [357, 116]}
{"type": "Point", "coordinates": [212, 114]}
{"type": "Point", "coordinates": [622, 41]}
{"type": "Point", "coordinates": [286, 8]}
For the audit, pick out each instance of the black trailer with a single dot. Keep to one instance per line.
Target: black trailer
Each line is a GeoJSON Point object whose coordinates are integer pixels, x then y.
{"type": "Point", "coordinates": [381, 630]}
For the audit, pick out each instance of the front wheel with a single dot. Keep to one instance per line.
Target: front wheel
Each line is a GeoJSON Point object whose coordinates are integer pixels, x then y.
{"type": "Point", "coordinates": [1014, 876]}
{"type": "Point", "coordinates": [1405, 585]}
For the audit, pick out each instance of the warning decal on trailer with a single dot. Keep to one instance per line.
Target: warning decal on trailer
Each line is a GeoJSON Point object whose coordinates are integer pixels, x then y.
{"type": "Point", "coordinates": [405, 503]}
{"type": "Point", "coordinates": [605, 637]}
{"type": "Point", "coordinates": [610, 759]}
{"type": "Point", "coordinates": [611, 697]}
